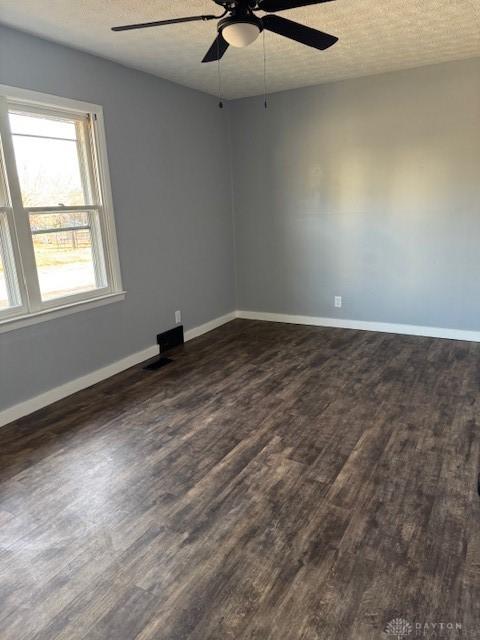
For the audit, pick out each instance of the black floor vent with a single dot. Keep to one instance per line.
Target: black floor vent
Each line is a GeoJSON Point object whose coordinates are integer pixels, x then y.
{"type": "Point", "coordinates": [166, 340]}
{"type": "Point", "coordinates": [161, 361]}
{"type": "Point", "coordinates": [171, 338]}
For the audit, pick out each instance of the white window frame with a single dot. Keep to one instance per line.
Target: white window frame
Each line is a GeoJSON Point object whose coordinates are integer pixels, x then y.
{"type": "Point", "coordinates": [32, 308]}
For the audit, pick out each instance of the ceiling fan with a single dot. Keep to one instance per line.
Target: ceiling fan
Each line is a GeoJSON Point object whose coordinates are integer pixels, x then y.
{"type": "Point", "coordinates": [239, 26]}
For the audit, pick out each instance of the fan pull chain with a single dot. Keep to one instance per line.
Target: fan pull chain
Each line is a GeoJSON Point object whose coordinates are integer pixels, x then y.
{"type": "Point", "coordinates": [265, 104]}
{"type": "Point", "coordinates": [220, 90]}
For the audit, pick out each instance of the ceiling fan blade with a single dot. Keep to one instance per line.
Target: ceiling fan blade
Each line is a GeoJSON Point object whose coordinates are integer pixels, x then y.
{"type": "Point", "coordinates": [299, 32]}
{"type": "Point", "coordinates": [159, 23]}
{"type": "Point", "coordinates": [217, 50]}
{"type": "Point", "coordinates": [283, 5]}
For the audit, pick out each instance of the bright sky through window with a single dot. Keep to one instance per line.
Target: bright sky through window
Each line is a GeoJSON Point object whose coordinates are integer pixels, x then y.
{"type": "Point", "coordinates": [46, 152]}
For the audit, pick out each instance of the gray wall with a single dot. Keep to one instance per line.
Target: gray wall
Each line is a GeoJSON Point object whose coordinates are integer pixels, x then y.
{"type": "Point", "coordinates": [169, 164]}
{"type": "Point", "coordinates": [368, 189]}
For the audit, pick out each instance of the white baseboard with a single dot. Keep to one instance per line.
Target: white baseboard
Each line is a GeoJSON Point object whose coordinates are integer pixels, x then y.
{"type": "Point", "coordinates": [38, 402]}
{"type": "Point", "coordinates": [209, 326]}
{"type": "Point", "coordinates": [52, 395]}
{"type": "Point", "coordinates": [383, 327]}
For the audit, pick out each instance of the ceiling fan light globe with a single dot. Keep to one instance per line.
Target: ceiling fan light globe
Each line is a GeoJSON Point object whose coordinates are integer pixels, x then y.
{"type": "Point", "coordinates": [240, 34]}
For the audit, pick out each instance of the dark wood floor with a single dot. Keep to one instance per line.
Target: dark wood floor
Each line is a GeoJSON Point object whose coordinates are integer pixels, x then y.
{"type": "Point", "coordinates": [275, 482]}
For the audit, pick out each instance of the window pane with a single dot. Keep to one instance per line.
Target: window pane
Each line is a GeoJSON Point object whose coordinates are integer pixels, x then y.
{"type": "Point", "coordinates": [3, 192]}
{"type": "Point", "coordinates": [3, 182]}
{"type": "Point", "coordinates": [44, 221]}
{"type": "Point", "coordinates": [9, 293]}
{"type": "Point", "coordinates": [4, 302]}
{"type": "Point", "coordinates": [65, 254]}
{"type": "Point", "coordinates": [48, 161]}
{"type": "Point", "coordinates": [48, 171]}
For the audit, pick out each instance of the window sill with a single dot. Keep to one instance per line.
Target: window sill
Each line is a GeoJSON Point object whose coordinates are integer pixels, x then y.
{"type": "Point", "coordinates": [17, 322]}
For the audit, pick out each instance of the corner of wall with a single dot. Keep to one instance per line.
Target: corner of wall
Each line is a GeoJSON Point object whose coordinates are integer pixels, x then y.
{"type": "Point", "coordinates": [232, 207]}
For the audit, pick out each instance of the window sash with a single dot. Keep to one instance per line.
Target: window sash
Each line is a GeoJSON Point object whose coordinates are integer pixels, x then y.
{"type": "Point", "coordinates": [7, 257]}
{"type": "Point", "coordinates": [84, 146]}
{"type": "Point", "coordinates": [98, 247]}
{"type": "Point", "coordinates": [91, 150]}
{"type": "Point", "coordinates": [14, 229]}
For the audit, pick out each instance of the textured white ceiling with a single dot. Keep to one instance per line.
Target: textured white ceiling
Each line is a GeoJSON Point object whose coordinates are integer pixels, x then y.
{"type": "Point", "coordinates": [375, 36]}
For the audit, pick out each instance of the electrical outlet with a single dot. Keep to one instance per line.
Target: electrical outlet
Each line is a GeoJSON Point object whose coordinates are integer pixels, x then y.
{"type": "Point", "coordinates": [338, 301]}
{"type": "Point", "coordinates": [178, 316]}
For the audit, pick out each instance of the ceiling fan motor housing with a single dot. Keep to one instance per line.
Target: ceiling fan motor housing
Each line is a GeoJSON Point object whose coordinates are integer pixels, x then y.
{"type": "Point", "coordinates": [240, 29]}
{"type": "Point", "coordinates": [232, 5]}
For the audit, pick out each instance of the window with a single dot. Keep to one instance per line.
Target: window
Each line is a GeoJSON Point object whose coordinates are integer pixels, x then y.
{"type": "Point", "coordinates": [57, 234]}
